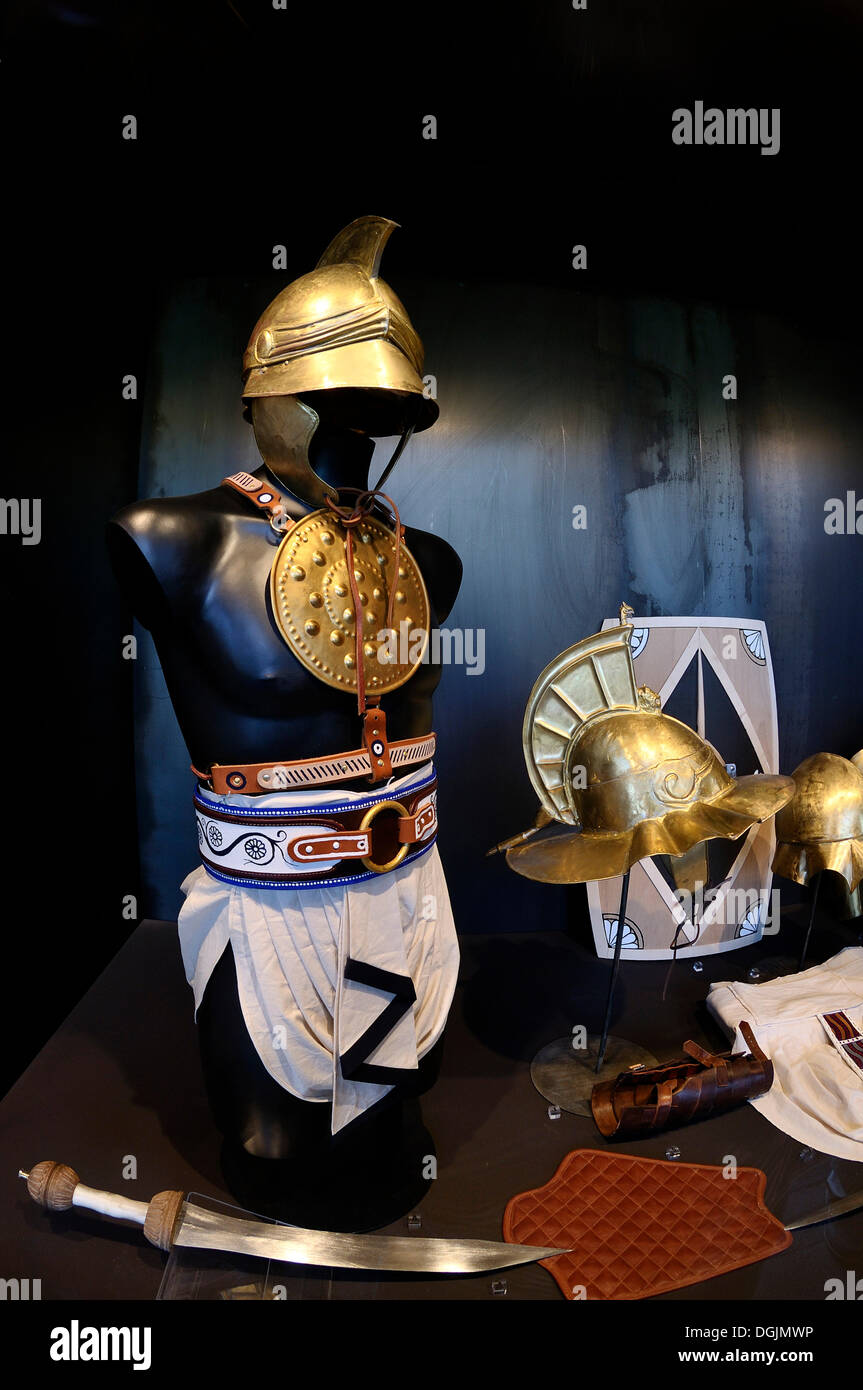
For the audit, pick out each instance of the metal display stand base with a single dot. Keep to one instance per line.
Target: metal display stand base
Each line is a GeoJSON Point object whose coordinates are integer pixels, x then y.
{"type": "Point", "coordinates": [565, 1076]}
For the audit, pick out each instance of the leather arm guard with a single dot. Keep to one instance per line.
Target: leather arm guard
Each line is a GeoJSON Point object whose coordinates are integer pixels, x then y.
{"type": "Point", "coordinates": [645, 1099]}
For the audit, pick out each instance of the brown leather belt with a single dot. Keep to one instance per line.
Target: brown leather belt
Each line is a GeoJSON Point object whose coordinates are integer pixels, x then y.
{"type": "Point", "coordinates": [253, 779]}
{"type": "Point", "coordinates": [280, 847]}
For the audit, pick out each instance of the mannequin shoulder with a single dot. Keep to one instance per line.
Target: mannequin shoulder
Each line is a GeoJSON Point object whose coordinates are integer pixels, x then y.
{"type": "Point", "coordinates": [153, 543]}
{"type": "Point", "coordinates": [164, 528]}
{"type": "Point", "coordinates": [164, 524]}
{"type": "Point", "coordinates": [440, 566]}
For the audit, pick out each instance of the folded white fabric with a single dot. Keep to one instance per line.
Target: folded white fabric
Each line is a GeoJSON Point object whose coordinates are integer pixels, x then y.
{"type": "Point", "coordinates": [356, 978]}
{"type": "Point", "coordinates": [808, 1025]}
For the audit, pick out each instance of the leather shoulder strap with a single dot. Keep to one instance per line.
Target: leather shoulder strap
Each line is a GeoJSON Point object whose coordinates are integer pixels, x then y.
{"type": "Point", "coordinates": [261, 495]}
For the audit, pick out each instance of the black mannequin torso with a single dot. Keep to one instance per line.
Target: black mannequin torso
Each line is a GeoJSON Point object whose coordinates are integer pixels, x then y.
{"type": "Point", "coordinates": [195, 570]}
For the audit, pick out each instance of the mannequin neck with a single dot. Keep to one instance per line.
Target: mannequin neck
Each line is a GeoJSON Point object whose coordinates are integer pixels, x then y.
{"type": "Point", "coordinates": [340, 458]}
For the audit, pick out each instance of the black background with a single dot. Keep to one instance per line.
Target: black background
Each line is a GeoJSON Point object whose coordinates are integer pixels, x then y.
{"type": "Point", "coordinates": [258, 127]}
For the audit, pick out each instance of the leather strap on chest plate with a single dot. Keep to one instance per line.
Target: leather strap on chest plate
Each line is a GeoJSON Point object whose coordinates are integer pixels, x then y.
{"type": "Point", "coordinates": [375, 740]}
{"type": "Point", "coordinates": [265, 498]}
{"type": "Point", "coordinates": [340, 583]}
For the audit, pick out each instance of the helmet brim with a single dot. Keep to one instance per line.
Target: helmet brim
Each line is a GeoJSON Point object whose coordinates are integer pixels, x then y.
{"type": "Point", "coordinates": [390, 393]}
{"type": "Point", "coordinates": [579, 857]}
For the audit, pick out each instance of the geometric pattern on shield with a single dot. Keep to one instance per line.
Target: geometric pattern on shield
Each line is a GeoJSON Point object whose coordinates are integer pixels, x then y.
{"type": "Point", "coordinates": [715, 675]}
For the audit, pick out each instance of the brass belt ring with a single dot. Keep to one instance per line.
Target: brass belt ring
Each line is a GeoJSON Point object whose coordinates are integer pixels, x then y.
{"type": "Point", "coordinates": [366, 822]}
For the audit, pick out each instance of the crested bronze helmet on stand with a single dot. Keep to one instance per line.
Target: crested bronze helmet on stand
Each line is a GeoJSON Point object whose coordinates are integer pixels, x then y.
{"type": "Point", "coordinates": [819, 836]}
{"type": "Point", "coordinates": [618, 781]}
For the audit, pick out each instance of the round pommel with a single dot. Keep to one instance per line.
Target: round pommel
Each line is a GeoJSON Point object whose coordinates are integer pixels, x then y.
{"type": "Point", "coordinates": [51, 1185]}
{"type": "Point", "coordinates": [162, 1216]}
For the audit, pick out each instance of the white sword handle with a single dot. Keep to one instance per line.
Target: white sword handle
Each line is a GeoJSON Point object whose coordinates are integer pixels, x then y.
{"type": "Point", "coordinates": [58, 1187]}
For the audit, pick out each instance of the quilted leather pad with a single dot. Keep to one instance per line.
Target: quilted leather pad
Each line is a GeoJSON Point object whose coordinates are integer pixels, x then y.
{"type": "Point", "coordinates": [642, 1226]}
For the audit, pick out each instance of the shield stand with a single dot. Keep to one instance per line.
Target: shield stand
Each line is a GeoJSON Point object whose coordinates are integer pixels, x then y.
{"type": "Point", "coordinates": [566, 1076]}
{"type": "Point", "coordinates": [811, 922]}
{"type": "Point", "coordinates": [776, 967]}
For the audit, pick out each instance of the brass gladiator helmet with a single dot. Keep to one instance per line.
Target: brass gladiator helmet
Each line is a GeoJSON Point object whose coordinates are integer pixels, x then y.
{"type": "Point", "coordinates": [340, 328]}
{"type": "Point", "coordinates": [822, 827]}
{"type": "Point", "coordinates": [630, 781]}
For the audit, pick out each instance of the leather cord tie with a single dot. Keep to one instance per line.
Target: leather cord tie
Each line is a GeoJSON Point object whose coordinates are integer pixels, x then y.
{"type": "Point", "coordinates": [351, 520]}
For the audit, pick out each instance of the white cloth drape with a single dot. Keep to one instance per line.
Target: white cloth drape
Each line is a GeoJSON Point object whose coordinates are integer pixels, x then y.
{"type": "Point", "coordinates": [816, 1096]}
{"type": "Point", "coordinates": [291, 946]}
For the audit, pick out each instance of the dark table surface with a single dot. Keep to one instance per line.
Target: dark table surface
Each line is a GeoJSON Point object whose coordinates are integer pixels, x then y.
{"type": "Point", "coordinates": [120, 1085]}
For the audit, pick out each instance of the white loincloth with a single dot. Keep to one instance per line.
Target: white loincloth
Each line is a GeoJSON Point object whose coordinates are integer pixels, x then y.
{"type": "Point", "coordinates": [817, 1093]}
{"type": "Point", "coordinates": [291, 947]}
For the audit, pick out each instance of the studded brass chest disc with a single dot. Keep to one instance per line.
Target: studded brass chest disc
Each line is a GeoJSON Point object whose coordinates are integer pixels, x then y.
{"type": "Point", "coordinates": [314, 609]}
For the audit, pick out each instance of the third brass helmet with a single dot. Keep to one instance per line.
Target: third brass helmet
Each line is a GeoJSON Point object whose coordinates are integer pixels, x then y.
{"type": "Point", "coordinates": [630, 781]}
{"type": "Point", "coordinates": [341, 327]}
{"type": "Point", "coordinates": [822, 828]}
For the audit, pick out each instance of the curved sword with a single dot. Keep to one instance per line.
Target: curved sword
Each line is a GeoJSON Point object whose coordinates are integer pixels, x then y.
{"type": "Point", "coordinates": [841, 1207]}
{"type": "Point", "coordinates": [169, 1219]}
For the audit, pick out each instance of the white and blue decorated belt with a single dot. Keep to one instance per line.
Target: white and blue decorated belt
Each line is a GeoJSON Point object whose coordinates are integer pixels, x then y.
{"type": "Point", "coordinates": [303, 846]}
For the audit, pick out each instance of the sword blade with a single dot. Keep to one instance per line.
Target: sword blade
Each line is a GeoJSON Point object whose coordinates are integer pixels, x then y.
{"type": "Point", "coordinates": [841, 1207]}
{"type": "Point", "coordinates": [207, 1230]}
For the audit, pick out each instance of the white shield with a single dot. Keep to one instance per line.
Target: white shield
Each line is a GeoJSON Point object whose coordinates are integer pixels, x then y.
{"type": "Point", "coordinates": [719, 670]}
